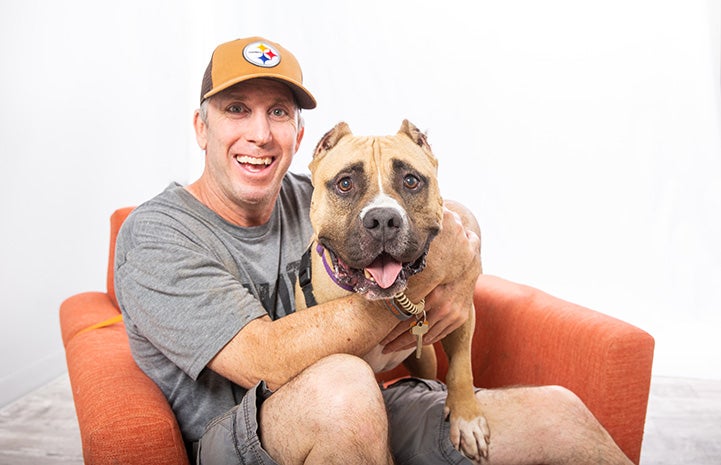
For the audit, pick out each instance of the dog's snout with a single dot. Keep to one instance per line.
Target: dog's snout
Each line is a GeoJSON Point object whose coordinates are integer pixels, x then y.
{"type": "Point", "coordinates": [383, 222]}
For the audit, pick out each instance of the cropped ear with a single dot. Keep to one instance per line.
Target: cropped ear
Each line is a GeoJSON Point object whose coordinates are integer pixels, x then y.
{"type": "Point", "coordinates": [331, 138]}
{"type": "Point", "coordinates": [419, 138]}
{"type": "Point", "coordinates": [415, 134]}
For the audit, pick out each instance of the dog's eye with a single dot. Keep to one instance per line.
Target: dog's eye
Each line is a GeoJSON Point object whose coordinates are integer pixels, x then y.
{"type": "Point", "coordinates": [345, 184]}
{"type": "Point", "coordinates": [411, 182]}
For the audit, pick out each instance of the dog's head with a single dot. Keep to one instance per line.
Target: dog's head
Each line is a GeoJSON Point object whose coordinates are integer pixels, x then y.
{"type": "Point", "coordinates": [376, 206]}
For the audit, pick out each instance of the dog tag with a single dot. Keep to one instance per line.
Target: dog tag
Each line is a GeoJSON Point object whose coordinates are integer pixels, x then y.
{"type": "Point", "coordinates": [418, 329]}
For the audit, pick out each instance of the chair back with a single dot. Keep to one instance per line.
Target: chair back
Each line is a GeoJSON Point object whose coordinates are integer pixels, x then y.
{"type": "Point", "coordinates": [116, 220]}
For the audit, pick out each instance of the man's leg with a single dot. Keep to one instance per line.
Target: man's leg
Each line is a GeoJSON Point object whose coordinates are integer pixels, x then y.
{"type": "Point", "coordinates": [528, 426]}
{"type": "Point", "coordinates": [332, 413]}
{"type": "Point", "coordinates": [548, 425]}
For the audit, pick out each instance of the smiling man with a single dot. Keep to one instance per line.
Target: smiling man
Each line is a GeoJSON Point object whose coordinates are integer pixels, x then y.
{"type": "Point", "coordinates": [205, 276]}
{"type": "Point", "coordinates": [250, 133]}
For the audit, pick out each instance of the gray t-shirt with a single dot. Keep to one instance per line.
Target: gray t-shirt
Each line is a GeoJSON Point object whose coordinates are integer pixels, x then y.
{"type": "Point", "coordinates": [187, 281]}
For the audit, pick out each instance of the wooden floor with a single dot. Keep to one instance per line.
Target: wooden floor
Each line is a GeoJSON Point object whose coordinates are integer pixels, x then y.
{"type": "Point", "coordinates": [683, 425]}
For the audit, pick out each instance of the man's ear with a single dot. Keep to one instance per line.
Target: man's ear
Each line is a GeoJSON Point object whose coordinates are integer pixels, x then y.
{"type": "Point", "coordinates": [299, 138]}
{"type": "Point", "coordinates": [201, 130]}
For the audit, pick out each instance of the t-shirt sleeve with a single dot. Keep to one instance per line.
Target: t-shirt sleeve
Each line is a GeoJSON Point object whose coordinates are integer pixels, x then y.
{"type": "Point", "coordinates": [177, 293]}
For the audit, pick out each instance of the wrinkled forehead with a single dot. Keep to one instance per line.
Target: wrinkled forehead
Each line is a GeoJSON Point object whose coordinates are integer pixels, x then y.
{"type": "Point", "coordinates": [371, 154]}
{"type": "Point", "coordinates": [400, 150]}
{"type": "Point", "coordinates": [350, 153]}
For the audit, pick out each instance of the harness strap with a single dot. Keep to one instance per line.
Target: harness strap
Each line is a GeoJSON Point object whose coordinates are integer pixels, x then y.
{"type": "Point", "coordinates": [305, 275]}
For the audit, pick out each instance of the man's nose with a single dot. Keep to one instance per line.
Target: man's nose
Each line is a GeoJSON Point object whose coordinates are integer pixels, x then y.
{"type": "Point", "coordinates": [259, 129]}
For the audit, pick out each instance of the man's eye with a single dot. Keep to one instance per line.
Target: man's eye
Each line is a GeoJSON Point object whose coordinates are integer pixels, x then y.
{"type": "Point", "coordinates": [234, 109]}
{"type": "Point", "coordinates": [411, 182]}
{"type": "Point", "coordinates": [345, 184]}
{"type": "Point", "coordinates": [279, 113]}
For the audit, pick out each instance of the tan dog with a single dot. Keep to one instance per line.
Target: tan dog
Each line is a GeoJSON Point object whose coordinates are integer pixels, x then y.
{"type": "Point", "coordinates": [375, 211]}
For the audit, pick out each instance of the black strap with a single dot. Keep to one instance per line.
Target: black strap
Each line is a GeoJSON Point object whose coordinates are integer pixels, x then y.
{"type": "Point", "coordinates": [192, 448]}
{"type": "Point", "coordinates": [305, 275]}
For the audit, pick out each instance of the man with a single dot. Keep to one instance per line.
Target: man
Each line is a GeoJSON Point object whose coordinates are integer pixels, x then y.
{"type": "Point", "coordinates": [205, 276]}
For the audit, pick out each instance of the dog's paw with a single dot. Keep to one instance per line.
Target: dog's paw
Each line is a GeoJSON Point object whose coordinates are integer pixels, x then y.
{"type": "Point", "coordinates": [470, 437]}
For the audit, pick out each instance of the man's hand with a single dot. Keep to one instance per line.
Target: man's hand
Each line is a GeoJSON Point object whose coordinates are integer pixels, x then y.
{"type": "Point", "coordinates": [455, 265]}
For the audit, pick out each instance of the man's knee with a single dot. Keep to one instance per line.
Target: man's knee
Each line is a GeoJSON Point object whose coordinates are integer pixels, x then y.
{"type": "Point", "coordinates": [570, 405]}
{"type": "Point", "coordinates": [586, 440]}
{"type": "Point", "coordinates": [346, 386]}
{"type": "Point", "coordinates": [576, 424]}
{"type": "Point", "coordinates": [303, 417]}
{"type": "Point", "coordinates": [342, 367]}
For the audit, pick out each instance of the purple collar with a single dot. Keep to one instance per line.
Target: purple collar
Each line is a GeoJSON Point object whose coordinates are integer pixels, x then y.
{"type": "Point", "coordinates": [329, 269]}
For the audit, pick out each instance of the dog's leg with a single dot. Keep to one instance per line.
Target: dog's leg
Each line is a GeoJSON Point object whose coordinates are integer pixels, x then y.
{"type": "Point", "coordinates": [469, 429]}
{"type": "Point", "coordinates": [426, 367]}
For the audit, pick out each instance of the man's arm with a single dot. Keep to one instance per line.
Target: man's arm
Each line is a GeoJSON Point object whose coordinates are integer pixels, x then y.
{"type": "Point", "coordinates": [276, 351]}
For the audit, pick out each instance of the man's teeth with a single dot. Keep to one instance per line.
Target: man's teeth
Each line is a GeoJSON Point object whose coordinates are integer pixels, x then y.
{"type": "Point", "coordinates": [253, 160]}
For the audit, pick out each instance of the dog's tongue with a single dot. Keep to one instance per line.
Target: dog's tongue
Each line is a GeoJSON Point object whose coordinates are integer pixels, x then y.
{"type": "Point", "coordinates": [384, 270]}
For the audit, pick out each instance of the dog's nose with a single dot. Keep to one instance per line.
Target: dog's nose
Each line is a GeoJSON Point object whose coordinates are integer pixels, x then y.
{"type": "Point", "coordinates": [383, 223]}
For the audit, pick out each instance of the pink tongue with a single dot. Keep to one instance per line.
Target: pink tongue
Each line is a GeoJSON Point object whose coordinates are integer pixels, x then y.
{"type": "Point", "coordinates": [384, 270]}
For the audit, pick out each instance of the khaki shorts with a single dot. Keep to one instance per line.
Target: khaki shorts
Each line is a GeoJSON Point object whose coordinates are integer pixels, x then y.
{"type": "Point", "coordinates": [419, 434]}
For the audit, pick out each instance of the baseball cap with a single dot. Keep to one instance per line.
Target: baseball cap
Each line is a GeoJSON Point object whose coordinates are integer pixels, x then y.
{"type": "Point", "coordinates": [254, 57]}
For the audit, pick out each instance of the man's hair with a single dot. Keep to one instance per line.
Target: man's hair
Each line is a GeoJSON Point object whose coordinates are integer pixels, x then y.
{"type": "Point", "coordinates": [203, 110]}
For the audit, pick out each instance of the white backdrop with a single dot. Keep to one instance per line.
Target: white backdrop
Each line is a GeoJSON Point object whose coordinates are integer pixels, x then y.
{"type": "Point", "coordinates": [586, 138]}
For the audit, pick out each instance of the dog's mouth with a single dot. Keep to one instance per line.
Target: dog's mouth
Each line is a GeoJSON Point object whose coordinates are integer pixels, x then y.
{"type": "Point", "coordinates": [383, 278]}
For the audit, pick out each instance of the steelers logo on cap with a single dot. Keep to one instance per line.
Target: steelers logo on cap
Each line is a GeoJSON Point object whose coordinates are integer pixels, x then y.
{"type": "Point", "coordinates": [261, 54]}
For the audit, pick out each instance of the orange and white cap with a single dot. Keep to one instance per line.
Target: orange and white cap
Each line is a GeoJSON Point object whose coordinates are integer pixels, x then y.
{"type": "Point", "coordinates": [254, 57]}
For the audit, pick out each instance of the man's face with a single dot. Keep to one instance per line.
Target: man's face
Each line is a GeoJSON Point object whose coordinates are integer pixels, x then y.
{"type": "Point", "coordinates": [250, 138]}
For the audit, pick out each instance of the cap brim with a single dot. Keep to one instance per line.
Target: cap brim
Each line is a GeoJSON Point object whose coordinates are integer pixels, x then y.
{"type": "Point", "coordinates": [303, 97]}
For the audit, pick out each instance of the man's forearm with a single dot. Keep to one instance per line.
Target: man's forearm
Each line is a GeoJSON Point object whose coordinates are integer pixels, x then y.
{"type": "Point", "coordinates": [276, 351]}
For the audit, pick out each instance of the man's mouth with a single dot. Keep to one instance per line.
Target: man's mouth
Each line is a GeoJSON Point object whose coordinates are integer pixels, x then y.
{"type": "Point", "coordinates": [254, 163]}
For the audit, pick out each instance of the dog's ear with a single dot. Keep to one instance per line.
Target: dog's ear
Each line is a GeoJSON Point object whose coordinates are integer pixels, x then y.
{"type": "Point", "coordinates": [419, 138]}
{"type": "Point", "coordinates": [415, 134]}
{"type": "Point", "coordinates": [331, 138]}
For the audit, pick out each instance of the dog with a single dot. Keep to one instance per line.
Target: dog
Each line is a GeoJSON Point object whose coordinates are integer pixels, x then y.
{"type": "Point", "coordinates": [377, 217]}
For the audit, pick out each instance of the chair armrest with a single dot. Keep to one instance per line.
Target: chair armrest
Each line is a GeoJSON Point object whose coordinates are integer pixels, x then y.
{"type": "Point", "coordinates": [527, 337]}
{"type": "Point", "coordinates": [83, 310]}
{"type": "Point", "coordinates": [123, 415]}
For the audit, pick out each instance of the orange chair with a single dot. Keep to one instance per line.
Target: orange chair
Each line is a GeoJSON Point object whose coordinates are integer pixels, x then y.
{"type": "Point", "coordinates": [523, 337]}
